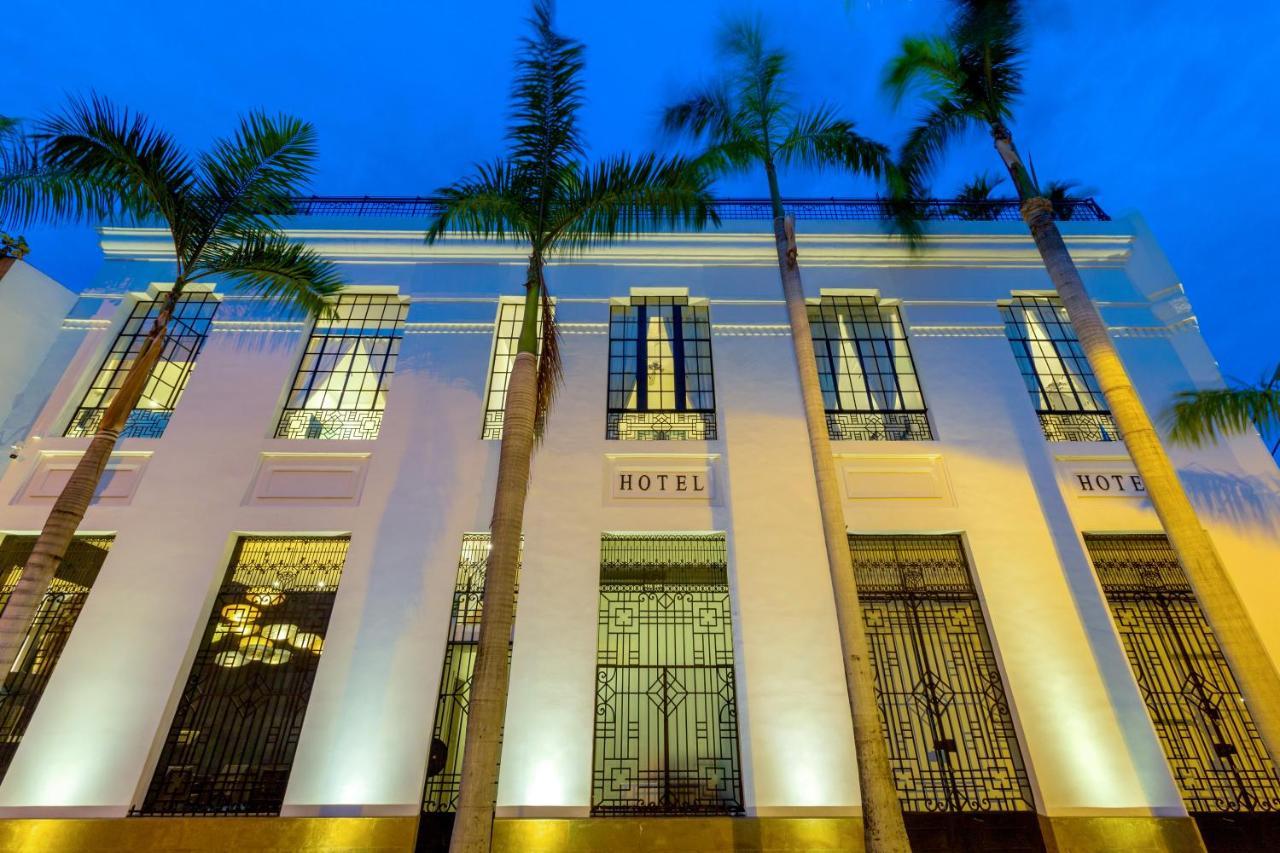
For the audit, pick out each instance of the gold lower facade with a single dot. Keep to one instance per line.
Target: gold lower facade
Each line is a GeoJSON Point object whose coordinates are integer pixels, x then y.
{"type": "Point", "coordinates": [531, 835]}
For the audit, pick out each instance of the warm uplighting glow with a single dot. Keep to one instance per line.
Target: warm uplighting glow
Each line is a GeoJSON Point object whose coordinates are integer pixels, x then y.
{"type": "Point", "coordinates": [240, 613]}
{"type": "Point", "coordinates": [280, 632]}
{"type": "Point", "coordinates": [308, 641]}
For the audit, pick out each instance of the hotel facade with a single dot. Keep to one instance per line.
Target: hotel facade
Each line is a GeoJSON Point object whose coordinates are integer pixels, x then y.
{"type": "Point", "coordinates": [262, 637]}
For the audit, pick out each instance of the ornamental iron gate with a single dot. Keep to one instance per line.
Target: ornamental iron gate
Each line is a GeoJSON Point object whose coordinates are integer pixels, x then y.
{"type": "Point", "coordinates": [54, 618]}
{"type": "Point", "coordinates": [449, 734]}
{"type": "Point", "coordinates": [666, 729]}
{"type": "Point", "coordinates": [1214, 752]}
{"type": "Point", "coordinates": [951, 739]}
{"type": "Point", "coordinates": [235, 731]}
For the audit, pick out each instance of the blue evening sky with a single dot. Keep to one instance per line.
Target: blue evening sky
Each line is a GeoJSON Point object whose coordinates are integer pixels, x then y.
{"type": "Point", "coordinates": [1165, 107]}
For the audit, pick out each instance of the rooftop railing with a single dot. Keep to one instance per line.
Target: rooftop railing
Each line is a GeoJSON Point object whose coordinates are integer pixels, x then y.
{"type": "Point", "coordinates": [841, 209]}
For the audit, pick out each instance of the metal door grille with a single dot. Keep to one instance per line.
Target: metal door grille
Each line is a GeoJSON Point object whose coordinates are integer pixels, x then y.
{"type": "Point", "coordinates": [666, 729]}
{"type": "Point", "coordinates": [55, 617]}
{"type": "Point", "coordinates": [444, 766]}
{"type": "Point", "coordinates": [234, 734]}
{"type": "Point", "coordinates": [1209, 739]}
{"type": "Point", "coordinates": [951, 739]}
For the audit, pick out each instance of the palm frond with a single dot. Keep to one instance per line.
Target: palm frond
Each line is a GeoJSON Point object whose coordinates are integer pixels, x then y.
{"type": "Point", "coordinates": [623, 196]}
{"type": "Point", "coordinates": [547, 96]}
{"type": "Point", "coordinates": [32, 191]}
{"type": "Point", "coordinates": [1198, 416]}
{"type": "Point", "coordinates": [928, 140]}
{"type": "Point", "coordinates": [927, 66]}
{"type": "Point", "coordinates": [274, 268]}
{"type": "Point", "coordinates": [708, 112]}
{"type": "Point", "coordinates": [819, 140]}
{"type": "Point", "coordinates": [550, 360]}
{"type": "Point", "coordinates": [758, 75]}
{"type": "Point", "coordinates": [108, 146]}
{"type": "Point", "coordinates": [730, 156]}
{"type": "Point", "coordinates": [250, 177]}
{"type": "Point", "coordinates": [494, 204]}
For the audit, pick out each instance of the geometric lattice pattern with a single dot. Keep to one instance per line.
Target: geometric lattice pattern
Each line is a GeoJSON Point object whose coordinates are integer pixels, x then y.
{"type": "Point", "coordinates": [865, 370]}
{"type": "Point", "coordinates": [55, 617]}
{"type": "Point", "coordinates": [340, 389]}
{"type": "Point", "coordinates": [660, 376]}
{"type": "Point", "coordinates": [1058, 377]}
{"type": "Point", "coordinates": [185, 336]}
{"type": "Point", "coordinates": [506, 344]}
{"type": "Point", "coordinates": [235, 731]}
{"type": "Point", "coordinates": [952, 744]}
{"type": "Point", "coordinates": [666, 727]}
{"type": "Point", "coordinates": [1209, 739]}
{"type": "Point", "coordinates": [449, 734]}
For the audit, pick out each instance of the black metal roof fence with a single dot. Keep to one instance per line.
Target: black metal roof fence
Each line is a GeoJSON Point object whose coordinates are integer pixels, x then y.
{"type": "Point", "coordinates": [841, 209]}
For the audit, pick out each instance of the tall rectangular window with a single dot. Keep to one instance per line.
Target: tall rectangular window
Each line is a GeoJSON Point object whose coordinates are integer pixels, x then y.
{"type": "Point", "coordinates": [666, 728]}
{"type": "Point", "coordinates": [868, 378]}
{"type": "Point", "coordinates": [340, 389]}
{"type": "Point", "coordinates": [1209, 739]}
{"type": "Point", "coordinates": [505, 345]}
{"type": "Point", "coordinates": [55, 617]}
{"type": "Point", "coordinates": [449, 734]}
{"type": "Point", "coordinates": [952, 745]}
{"type": "Point", "coordinates": [188, 327]}
{"type": "Point", "coordinates": [234, 734]}
{"type": "Point", "coordinates": [1058, 377]}
{"type": "Point", "coordinates": [660, 377]}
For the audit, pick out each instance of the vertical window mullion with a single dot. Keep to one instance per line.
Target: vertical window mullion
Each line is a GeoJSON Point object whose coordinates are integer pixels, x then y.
{"type": "Point", "coordinates": [642, 358]}
{"type": "Point", "coordinates": [677, 356]}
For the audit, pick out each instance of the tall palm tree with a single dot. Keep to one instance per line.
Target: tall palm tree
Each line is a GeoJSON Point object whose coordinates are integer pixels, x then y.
{"type": "Point", "coordinates": [1197, 416]}
{"type": "Point", "coordinates": [543, 195]}
{"type": "Point", "coordinates": [221, 212]}
{"type": "Point", "coordinates": [971, 77]}
{"type": "Point", "coordinates": [749, 119]}
{"type": "Point", "coordinates": [33, 191]}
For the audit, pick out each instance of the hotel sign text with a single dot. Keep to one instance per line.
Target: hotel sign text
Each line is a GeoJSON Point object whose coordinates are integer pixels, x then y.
{"type": "Point", "coordinates": [661, 484]}
{"type": "Point", "coordinates": [1097, 483]}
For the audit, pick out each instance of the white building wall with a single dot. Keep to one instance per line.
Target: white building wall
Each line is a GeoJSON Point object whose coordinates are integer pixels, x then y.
{"type": "Point", "coordinates": [428, 479]}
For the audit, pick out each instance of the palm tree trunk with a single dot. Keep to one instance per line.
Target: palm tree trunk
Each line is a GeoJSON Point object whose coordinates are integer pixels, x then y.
{"type": "Point", "coordinates": [74, 499]}
{"type": "Point", "coordinates": [1247, 657]}
{"type": "Point", "coordinates": [487, 704]}
{"type": "Point", "coordinates": [883, 828]}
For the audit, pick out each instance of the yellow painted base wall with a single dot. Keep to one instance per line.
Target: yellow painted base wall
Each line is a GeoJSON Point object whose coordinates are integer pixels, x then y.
{"type": "Point", "coordinates": [597, 835]}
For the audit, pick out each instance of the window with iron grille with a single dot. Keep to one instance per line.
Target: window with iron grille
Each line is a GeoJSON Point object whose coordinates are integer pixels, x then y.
{"type": "Point", "coordinates": [188, 327]}
{"type": "Point", "coordinates": [449, 734]}
{"type": "Point", "coordinates": [666, 727]}
{"type": "Point", "coordinates": [660, 379]}
{"type": "Point", "coordinates": [1209, 739]}
{"type": "Point", "coordinates": [50, 629]}
{"type": "Point", "coordinates": [234, 734]}
{"type": "Point", "coordinates": [1058, 376]}
{"type": "Point", "coordinates": [952, 744]}
{"type": "Point", "coordinates": [340, 389]}
{"type": "Point", "coordinates": [868, 379]}
{"type": "Point", "coordinates": [506, 345]}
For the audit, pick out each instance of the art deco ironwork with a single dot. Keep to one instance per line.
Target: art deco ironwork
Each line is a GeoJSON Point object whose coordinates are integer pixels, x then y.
{"type": "Point", "coordinates": [951, 739]}
{"type": "Point", "coordinates": [849, 209]}
{"type": "Point", "coordinates": [660, 376]}
{"type": "Point", "coordinates": [1057, 375]}
{"type": "Point", "coordinates": [666, 728]}
{"type": "Point", "coordinates": [192, 317]}
{"type": "Point", "coordinates": [55, 616]}
{"type": "Point", "coordinates": [444, 770]}
{"type": "Point", "coordinates": [865, 369]}
{"type": "Point", "coordinates": [235, 731]}
{"type": "Point", "coordinates": [1213, 749]}
{"type": "Point", "coordinates": [340, 389]}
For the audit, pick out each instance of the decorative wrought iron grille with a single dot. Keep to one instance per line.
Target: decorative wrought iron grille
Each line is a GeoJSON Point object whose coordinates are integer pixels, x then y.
{"type": "Point", "coordinates": [847, 209]}
{"type": "Point", "coordinates": [340, 389]}
{"type": "Point", "coordinates": [666, 730]}
{"type": "Point", "coordinates": [55, 617]}
{"type": "Point", "coordinates": [444, 768]}
{"type": "Point", "coordinates": [660, 379]}
{"type": "Point", "coordinates": [505, 347]}
{"type": "Point", "coordinates": [234, 734]}
{"type": "Point", "coordinates": [1213, 749]}
{"type": "Point", "coordinates": [951, 739]}
{"type": "Point", "coordinates": [866, 372]}
{"type": "Point", "coordinates": [192, 317]}
{"type": "Point", "coordinates": [1058, 376]}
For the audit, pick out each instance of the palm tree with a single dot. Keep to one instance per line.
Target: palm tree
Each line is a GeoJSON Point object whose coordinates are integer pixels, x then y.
{"type": "Point", "coordinates": [749, 119]}
{"type": "Point", "coordinates": [973, 202]}
{"type": "Point", "coordinates": [547, 197]}
{"type": "Point", "coordinates": [32, 191]}
{"type": "Point", "coordinates": [971, 77]}
{"type": "Point", "coordinates": [221, 212]}
{"type": "Point", "coordinates": [1197, 416]}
